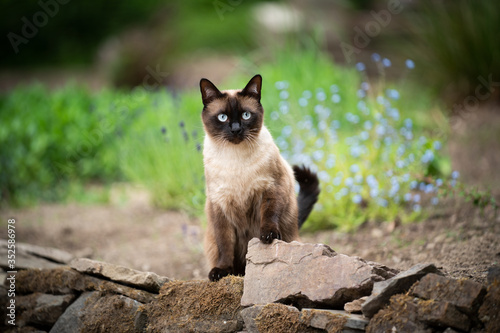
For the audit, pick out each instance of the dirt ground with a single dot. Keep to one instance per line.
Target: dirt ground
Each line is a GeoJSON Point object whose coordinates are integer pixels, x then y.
{"type": "Point", "coordinates": [130, 232]}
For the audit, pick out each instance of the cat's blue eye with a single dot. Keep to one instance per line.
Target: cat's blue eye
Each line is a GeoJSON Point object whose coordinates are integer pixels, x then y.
{"type": "Point", "coordinates": [246, 115]}
{"type": "Point", "coordinates": [222, 117]}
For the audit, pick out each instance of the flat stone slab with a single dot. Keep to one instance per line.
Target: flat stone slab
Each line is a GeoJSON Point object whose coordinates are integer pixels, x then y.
{"type": "Point", "coordinates": [466, 295]}
{"type": "Point", "coordinates": [143, 280]}
{"type": "Point", "coordinates": [333, 320]}
{"type": "Point", "coordinates": [382, 291]}
{"type": "Point", "coordinates": [41, 309]}
{"type": "Point", "coordinates": [306, 275]}
{"type": "Point", "coordinates": [65, 280]}
{"type": "Point", "coordinates": [33, 256]}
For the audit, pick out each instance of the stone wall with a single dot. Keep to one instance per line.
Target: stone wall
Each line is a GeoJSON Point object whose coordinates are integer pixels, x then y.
{"type": "Point", "coordinates": [288, 287]}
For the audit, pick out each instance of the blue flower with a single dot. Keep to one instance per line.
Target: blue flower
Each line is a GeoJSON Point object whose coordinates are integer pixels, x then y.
{"type": "Point", "coordinates": [323, 176]}
{"type": "Point", "coordinates": [337, 180]}
{"type": "Point", "coordinates": [367, 125]}
{"type": "Point", "coordinates": [374, 192]}
{"type": "Point", "coordinates": [455, 174]}
{"type": "Point", "coordinates": [407, 197]}
{"type": "Point", "coordinates": [439, 182]}
{"type": "Point", "coordinates": [382, 202]}
{"type": "Point", "coordinates": [416, 198]}
{"type": "Point", "coordinates": [362, 107]}
{"type": "Point", "coordinates": [361, 93]}
{"type": "Point", "coordinates": [436, 145]}
{"type": "Point", "coordinates": [413, 184]}
{"type": "Point", "coordinates": [334, 88]}
{"type": "Point", "coordinates": [286, 131]}
{"type": "Point", "coordinates": [322, 125]}
{"type": "Point", "coordinates": [417, 208]}
{"type": "Point", "coordinates": [428, 156]}
{"type": "Point", "coordinates": [303, 101]}
{"type": "Point", "coordinates": [364, 135]}
{"type": "Point", "coordinates": [349, 182]}
{"type": "Point", "coordinates": [163, 130]}
{"type": "Point", "coordinates": [318, 155]}
{"type": "Point", "coordinates": [336, 98]}
{"type": "Point", "coordinates": [280, 85]}
{"type": "Point", "coordinates": [365, 86]}
{"type": "Point", "coordinates": [357, 198]}
{"type": "Point", "coordinates": [335, 124]}
{"type": "Point", "coordinates": [392, 93]}
{"type": "Point", "coordinates": [284, 108]}
{"type": "Point", "coordinates": [284, 94]}
{"type": "Point", "coordinates": [319, 143]}
{"type": "Point", "coordinates": [360, 66]}
{"type": "Point", "coordinates": [371, 181]}
{"type": "Point", "coordinates": [408, 123]}
{"type": "Point", "coordinates": [400, 164]}
{"type": "Point", "coordinates": [376, 57]}
{"type": "Point", "coordinates": [410, 64]}
{"type": "Point", "coordinates": [330, 162]}
{"type": "Point", "coordinates": [386, 62]}
{"type": "Point", "coordinates": [275, 115]}
{"type": "Point", "coordinates": [354, 168]}
{"type": "Point", "coordinates": [307, 94]}
{"type": "Point", "coordinates": [434, 201]}
{"type": "Point", "coordinates": [320, 96]}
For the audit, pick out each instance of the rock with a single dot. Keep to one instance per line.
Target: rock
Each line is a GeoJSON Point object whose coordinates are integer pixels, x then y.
{"type": "Point", "coordinates": [197, 306]}
{"type": "Point", "coordinates": [355, 306]}
{"type": "Point", "coordinates": [333, 320]}
{"type": "Point", "coordinates": [32, 256]}
{"type": "Point", "coordinates": [41, 309]}
{"type": "Point", "coordinates": [112, 313]}
{"type": "Point", "coordinates": [488, 312]}
{"type": "Point", "coordinates": [249, 315]}
{"type": "Point", "coordinates": [278, 313]}
{"type": "Point", "coordinates": [400, 316]}
{"type": "Point", "coordinates": [466, 295]}
{"type": "Point", "coordinates": [71, 320]}
{"type": "Point", "coordinates": [143, 280]}
{"type": "Point", "coordinates": [442, 314]}
{"type": "Point", "coordinates": [306, 275]}
{"type": "Point", "coordinates": [275, 317]}
{"type": "Point", "coordinates": [493, 274]}
{"type": "Point", "coordinates": [65, 280]}
{"type": "Point", "coordinates": [382, 291]}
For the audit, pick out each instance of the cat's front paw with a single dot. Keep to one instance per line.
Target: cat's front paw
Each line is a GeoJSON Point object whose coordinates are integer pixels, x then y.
{"type": "Point", "coordinates": [268, 234]}
{"type": "Point", "coordinates": [218, 273]}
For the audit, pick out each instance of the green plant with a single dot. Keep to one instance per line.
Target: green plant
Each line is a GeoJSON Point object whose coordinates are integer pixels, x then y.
{"type": "Point", "coordinates": [456, 42]}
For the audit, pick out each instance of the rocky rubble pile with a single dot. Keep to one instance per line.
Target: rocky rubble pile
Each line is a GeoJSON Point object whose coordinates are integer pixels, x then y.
{"type": "Point", "coordinates": [288, 287]}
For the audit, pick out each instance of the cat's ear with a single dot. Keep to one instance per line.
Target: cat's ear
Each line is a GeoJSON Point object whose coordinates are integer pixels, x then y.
{"type": "Point", "coordinates": [253, 87]}
{"type": "Point", "coordinates": [209, 91]}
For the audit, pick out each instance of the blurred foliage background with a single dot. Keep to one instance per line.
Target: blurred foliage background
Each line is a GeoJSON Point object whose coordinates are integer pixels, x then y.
{"type": "Point", "coordinates": [362, 91]}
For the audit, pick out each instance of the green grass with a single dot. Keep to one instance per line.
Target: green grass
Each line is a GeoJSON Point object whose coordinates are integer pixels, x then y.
{"type": "Point", "coordinates": [54, 140]}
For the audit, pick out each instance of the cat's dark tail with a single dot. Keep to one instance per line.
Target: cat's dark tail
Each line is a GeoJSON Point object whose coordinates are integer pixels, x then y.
{"type": "Point", "coordinates": [309, 191]}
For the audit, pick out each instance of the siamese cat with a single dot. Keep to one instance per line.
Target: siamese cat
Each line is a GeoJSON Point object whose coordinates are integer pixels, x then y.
{"type": "Point", "coordinates": [249, 186]}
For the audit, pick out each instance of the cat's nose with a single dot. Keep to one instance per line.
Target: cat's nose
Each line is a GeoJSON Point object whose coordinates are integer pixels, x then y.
{"type": "Point", "coordinates": [236, 128]}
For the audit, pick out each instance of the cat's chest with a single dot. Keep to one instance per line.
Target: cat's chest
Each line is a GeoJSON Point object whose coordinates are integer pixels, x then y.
{"type": "Point", "coordinates": [235, 179]}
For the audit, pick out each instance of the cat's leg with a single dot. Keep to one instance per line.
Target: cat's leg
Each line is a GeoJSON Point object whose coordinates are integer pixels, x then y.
{"type": "Point", "coordinates": [271, 210]}
{"type": "Point", "coordinates": [219, 243]}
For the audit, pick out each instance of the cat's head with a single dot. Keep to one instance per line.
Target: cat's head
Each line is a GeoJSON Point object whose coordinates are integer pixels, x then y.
{"type": "Point", "coordinates": [232, 116]}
